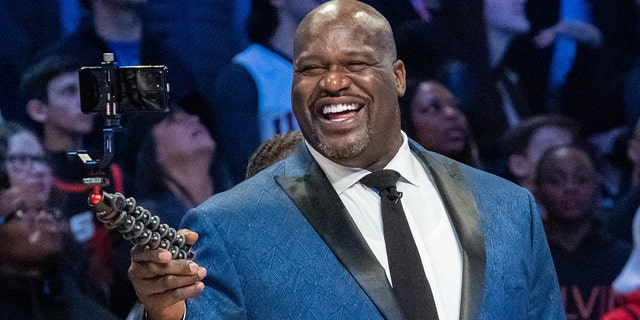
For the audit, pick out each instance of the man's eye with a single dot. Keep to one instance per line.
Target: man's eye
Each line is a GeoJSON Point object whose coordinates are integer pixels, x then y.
{"type": "Point", "coordinates": [311, 70]}
{"type": "Point", "coordinates": [357, 66]}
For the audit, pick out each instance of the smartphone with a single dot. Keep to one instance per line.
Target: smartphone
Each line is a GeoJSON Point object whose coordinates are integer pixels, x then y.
{"type": "Point", "coordinates": [135, 89]}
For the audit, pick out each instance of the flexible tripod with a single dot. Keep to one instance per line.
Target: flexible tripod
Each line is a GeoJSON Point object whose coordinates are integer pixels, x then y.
{"type": "Point", "coordinates": [134, 222]}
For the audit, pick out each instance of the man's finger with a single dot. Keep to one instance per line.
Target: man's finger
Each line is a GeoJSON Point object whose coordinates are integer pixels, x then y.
{"type": "Point", "coordinates": [142, 254]}
{"type": "Point", "coordinates": [190, 236]}
{"type": "Point", "coordinates": [175, 286]}
{"type": "Point", "coordinates": [180, 267]}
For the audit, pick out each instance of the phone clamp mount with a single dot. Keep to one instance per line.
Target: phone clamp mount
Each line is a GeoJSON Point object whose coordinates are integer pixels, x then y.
{"type": "Point", "coordinates": [134, 222]}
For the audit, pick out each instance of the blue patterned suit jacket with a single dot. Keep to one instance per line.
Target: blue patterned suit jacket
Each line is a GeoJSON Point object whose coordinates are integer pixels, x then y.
{"type": "Point", "coordinates": [282, 246]}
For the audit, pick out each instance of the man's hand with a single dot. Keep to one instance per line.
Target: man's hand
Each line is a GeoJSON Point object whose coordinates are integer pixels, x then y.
{"type": "Point", "coordinates": [163, 284]}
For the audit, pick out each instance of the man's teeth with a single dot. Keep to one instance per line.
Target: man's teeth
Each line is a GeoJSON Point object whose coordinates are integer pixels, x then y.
{"type": "Point", "coordinates": [339, 108]}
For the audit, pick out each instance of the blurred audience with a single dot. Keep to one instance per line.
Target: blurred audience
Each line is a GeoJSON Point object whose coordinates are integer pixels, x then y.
{"type": "Point", "coordinates": [175, 164]}
{"type": "Point", "coordinates": [524, 144]}
{"type": "Point", "coordinates": [51, 88]}
{"type": "Point", "coordinates": [207, 33]}
{"type": "Point", "coordinates": [116, 26]}
{"type": "Point", "coordinates": [575, 57]}
{"type": "Point", "coordinates": [502, 103]}
{"type": "Point", "coordinates": [251, 95]}
{"type": "Point", "coordinates": [431, 117]}
{"type": "Point", "coordinates": [619, 220]}
{"type": "Point", "coordinates": [139, 124]}
{"type": "Point", "coordinates": [27, 26]}
{"type": "Point", "coordinates": [35, 274]}
{"type": "Point", "coordinates": [586, 257]}
{"type": "Point", "coordinates": [466, 57]}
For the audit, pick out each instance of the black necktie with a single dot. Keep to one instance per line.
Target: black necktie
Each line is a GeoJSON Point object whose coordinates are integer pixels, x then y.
{"type": "Point", "coordinates": [410, 284]}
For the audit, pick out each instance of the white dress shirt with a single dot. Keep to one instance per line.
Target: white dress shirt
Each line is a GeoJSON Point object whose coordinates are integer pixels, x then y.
{"type": "Point", "coordinates": [431, 227]}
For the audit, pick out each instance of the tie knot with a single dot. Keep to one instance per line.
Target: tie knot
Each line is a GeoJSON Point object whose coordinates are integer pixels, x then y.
{"type": "Point", "coordinates": [381, 180]}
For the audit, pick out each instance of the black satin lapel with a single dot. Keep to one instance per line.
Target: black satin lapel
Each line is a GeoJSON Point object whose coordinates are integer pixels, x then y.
{"type": "Point", "coordinates": [322, 207]}
{"type": "Point", "coordinates": [462, 209]}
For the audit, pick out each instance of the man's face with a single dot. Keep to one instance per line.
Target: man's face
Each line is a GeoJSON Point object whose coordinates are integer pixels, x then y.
{"type": "Point", "coordinates": [63, 108]}
{"type": "Point", "coordinates": [345, 91]}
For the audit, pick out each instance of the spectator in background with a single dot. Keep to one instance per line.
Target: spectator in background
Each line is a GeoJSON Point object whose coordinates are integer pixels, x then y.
{"type": "Point", "coordinates": [431, 117]}
{"type": "Point", "coordinates": [466, 57]}
{"type": "Point", "coordinates": [175, 164]}
{"type": "Point", "coordinates": [35, 273]}
{"type": "Point", "coordinates": [619, 220]}
{"type": "Point", "coordinates": [116, 26]}
{"type": "Point", "coordinates": [574, 60]}
{"type": "Point", "coordinates": [51, 88]}
{"type": "Point", "coordinates": [207, 33]}
{"type": "Point", "coordinates": [28, 26]}
{"type": "Point", "coordinates": [251, 95]}
{"type": "Point", "coordinates": [586, 257]}
{"type": "Point", "coordinates": [524, 144]}
{"type": "Point", "coordinates": [501, 103]}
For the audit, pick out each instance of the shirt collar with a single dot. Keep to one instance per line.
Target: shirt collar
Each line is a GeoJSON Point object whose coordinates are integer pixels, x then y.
{"type": "Point", "coordinates": [342, 177]}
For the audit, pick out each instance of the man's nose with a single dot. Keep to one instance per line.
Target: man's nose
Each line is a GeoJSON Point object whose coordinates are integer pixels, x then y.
{"type": "Point", "coordinates": [335, 80]}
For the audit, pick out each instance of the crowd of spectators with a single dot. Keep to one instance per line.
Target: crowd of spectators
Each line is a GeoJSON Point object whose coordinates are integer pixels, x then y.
{"type": "Point", "coordinates": [539, 92]}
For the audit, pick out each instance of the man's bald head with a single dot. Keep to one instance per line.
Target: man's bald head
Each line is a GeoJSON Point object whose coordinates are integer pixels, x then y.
{"type": "Point", "coordinates": [349, 13]}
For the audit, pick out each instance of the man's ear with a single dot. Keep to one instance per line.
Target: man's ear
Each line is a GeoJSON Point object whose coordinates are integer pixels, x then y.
{"type": "Point", "coordinates": [519, 166]}
{"type": "Point", "coordinates": [401, 77]}
{"type": "Point", "coordinates": [37, 110]}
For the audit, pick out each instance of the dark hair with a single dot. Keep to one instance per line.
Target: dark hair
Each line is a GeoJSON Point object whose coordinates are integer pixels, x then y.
{"type": "Point", "coordinates": [262, 22]}
{"type": "Point", "coordinates": [139, 126]}
{"type": "Point", "coordinates": [149, 175]}
{"type": "Point", "coordinates": [36, 78]}
{"type": "Point", "coordinates": [516, 140]}
{"type": "Point", "coordinates": [272, 151]}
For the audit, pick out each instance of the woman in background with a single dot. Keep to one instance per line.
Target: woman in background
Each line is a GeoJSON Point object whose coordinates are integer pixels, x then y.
{"type": "Point", "coordinates": [174, 166]}
{"type": "Point", "coordinates": [35, 275]}
{"type": "Point", "coordinates": [431, 117]}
